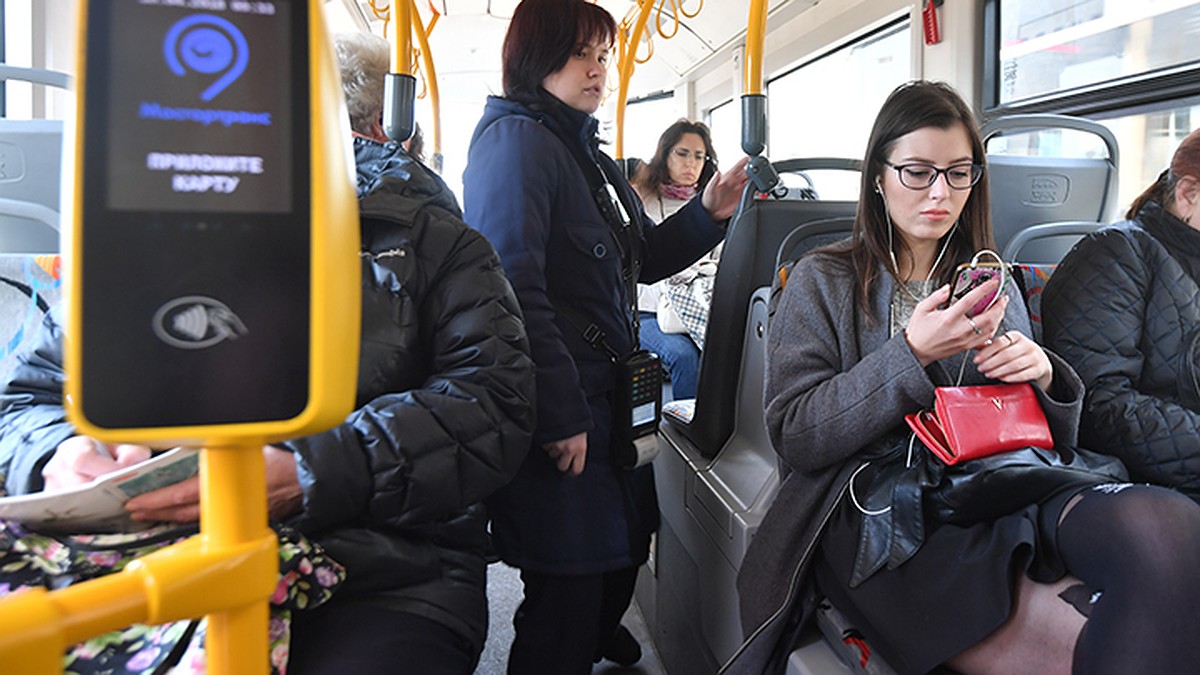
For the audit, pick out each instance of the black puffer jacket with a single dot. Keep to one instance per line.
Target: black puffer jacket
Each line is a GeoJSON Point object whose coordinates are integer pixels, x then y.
{"type": "Point", "coordinates": [444, 412]}
{"type": "Point", "coordinates": [1123, 309]}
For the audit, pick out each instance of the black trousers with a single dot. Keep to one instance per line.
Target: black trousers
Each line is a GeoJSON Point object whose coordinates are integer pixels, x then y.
{"type": "Point", "coordinates": [359, 638]}
{"type": "Point", "coordinates": [564, 620]}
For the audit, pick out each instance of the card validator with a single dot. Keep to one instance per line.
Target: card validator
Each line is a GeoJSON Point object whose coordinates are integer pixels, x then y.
{"type": "Point", "coordinates": [212, 267]}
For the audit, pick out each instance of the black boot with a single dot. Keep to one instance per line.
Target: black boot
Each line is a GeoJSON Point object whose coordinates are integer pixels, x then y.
{"type": "Point", "coordinates": [622, 648]}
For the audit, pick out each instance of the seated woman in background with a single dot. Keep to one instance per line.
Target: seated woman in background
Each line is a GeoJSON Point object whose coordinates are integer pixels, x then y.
{"type": "Point", "coordinates": [681, 166]}
{"type": "Point", "coordinates": [1123, 308]}
{"type": "Point", "coordinates": [864, 332]}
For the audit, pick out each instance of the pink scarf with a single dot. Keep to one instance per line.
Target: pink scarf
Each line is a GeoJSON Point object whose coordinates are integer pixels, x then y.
{"type": "Point", "coordinates": [677, 191]}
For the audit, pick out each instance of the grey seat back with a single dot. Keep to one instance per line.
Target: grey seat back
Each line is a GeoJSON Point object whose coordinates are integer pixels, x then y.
{"type": "Point", "coordinates": [1046, 244]}
{"type": "Point", "coordinates": [747, 263]}
{"type": "Point", "coordinates": [30, 174]}
{"type": "Point", "coordinates": [1042, 188]}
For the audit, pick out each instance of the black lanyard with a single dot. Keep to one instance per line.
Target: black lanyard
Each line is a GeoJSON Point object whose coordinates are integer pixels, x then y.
{"type": "Point", "coordinates": [613, 211]}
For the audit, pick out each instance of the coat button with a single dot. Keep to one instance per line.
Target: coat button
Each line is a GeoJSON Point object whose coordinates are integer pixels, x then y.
{"type": "Point", "coordinates": [599, 250]}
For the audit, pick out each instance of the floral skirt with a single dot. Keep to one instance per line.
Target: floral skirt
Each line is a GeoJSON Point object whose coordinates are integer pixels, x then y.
{"type": "Point", "coordinates": [307, 578]}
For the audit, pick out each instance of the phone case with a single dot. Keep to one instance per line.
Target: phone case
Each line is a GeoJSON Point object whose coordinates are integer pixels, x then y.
{"type": "Point", "coordinates": [968, 276]}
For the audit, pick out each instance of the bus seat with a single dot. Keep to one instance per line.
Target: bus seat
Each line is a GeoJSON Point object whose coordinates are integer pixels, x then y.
{"type": "Point", "coordinates": [1046, 187]}
{"type": "Point", "coordinates": [710, 511]}
{"type": "Point", "coordinates": [29, 287]}
{"type": "Point", "coordinates": [30, 172]}
{"type": "Point", "coordinates": [1031, 280]}
{"type": "Point", "coordinates": [711, 507]}
{"type": "Point", "coordinates": [629, 166]}
{"type": "Point", "coordinates": [1046, 244]}
{"type": "Point", "coordinates": [751, 249]}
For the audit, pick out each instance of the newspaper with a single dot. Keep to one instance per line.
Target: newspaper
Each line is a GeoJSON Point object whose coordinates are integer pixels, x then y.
{"type": "Point", "coordinates": [99, 506]}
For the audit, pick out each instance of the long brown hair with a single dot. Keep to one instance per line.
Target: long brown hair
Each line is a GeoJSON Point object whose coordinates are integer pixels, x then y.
{"type": "Point", "coordinates": [912, 106]}
{"type": "Point", "coordinates": [541, 36]}
{"type": "Point", "coordinates": [655, 172]}
{"type": "Point", "coordinates": [1185, 162]}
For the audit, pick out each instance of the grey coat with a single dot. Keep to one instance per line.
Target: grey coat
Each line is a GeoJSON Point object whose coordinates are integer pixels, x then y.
{"type": "Point", "coordinates": [836, 385]}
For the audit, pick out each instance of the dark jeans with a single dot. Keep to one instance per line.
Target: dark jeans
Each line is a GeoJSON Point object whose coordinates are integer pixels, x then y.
{"type": "Point", "coordinates": [359, 638]}
{"type": "Point", "coordinates": [563, 620]}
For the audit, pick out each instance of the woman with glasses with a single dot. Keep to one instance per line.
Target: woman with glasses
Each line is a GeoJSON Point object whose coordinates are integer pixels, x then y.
{"type": "Point", "coordinates": [681, 166]}
{"type": "Point", "coordinates": [1089, 575]}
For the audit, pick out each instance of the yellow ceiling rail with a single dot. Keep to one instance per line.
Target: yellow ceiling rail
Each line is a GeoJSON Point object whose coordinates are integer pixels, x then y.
{"type": "Point", "coordinates": [625, 65]}
{"type": "Point", "coordinates": [631, 34]}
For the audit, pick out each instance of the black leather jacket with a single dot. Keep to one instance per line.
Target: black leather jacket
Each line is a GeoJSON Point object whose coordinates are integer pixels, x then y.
{"type": "Point", "coordinates": [443, 417]}
{"type": "Point", "coordinates": [1124, 310]}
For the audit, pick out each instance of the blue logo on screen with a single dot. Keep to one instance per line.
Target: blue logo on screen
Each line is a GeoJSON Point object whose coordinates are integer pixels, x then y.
{"type": "Point", "coordinates": [207, 44]}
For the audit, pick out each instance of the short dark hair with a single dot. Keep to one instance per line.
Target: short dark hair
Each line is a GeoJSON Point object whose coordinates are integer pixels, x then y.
{"type": "Point", "coordinates": [542, 36]}
{"type": "Point", "coordinates": [655, 172]}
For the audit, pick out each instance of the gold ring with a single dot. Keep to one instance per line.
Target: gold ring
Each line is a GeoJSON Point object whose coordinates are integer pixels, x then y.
{"type": "Point", "coordinates": [973, 326]}
{"type": "Point", "coordinates": [1009, 338]}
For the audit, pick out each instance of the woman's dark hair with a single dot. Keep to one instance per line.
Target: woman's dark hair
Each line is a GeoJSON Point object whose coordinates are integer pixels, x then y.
{"type": "Point", "coordinates": [542, 36]}
{"type": "Point", "coordinates": [912, 106]}
{"type": "Point", "coordinates": [1185, 162]}
{"type": "Point", "coordinates": [654, 173]}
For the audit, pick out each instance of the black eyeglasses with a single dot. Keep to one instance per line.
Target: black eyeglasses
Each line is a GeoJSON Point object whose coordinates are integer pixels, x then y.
{"type": "Point", "coordinates": [918, 175]}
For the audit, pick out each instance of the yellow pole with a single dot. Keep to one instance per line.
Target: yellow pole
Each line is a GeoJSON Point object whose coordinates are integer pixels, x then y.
{"type": "Point", "coordinates": [430, 81]}
{"type": "Point", "coordinates": [756, 30]}
{"type": "Point", "coordinates": [402, 41]}
{"type": "Point", "coordinates": [232, 564]}
{"type": "Point", "coordinates": [625, 72]}
{"type": "Point", "coordinates": [233, 512]}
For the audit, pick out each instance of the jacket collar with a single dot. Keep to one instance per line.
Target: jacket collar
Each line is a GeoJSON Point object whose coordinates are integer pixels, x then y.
{"type": "Point", "coordinates": [1175, 234]}
{"type": "Point", "coordinates": [573, 127]}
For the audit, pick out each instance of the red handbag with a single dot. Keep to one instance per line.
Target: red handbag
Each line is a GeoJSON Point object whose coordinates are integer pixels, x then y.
{"type": "Point", "coordinates": [973, 422]}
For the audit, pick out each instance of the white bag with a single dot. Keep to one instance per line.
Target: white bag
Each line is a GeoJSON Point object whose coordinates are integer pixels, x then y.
{"type": "Point", "coordinates": [668, 318]}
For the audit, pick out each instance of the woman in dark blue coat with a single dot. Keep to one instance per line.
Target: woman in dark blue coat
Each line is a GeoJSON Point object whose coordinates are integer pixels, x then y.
{"type": "Point", "coordinates": [576, 526]}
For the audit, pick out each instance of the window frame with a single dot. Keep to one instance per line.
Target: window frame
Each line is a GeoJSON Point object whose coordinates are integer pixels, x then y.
{"type": "Point", "coordinates": [1150, 91]}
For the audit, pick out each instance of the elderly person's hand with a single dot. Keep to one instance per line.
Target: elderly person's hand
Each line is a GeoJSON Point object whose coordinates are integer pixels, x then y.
{"type": "Point", "coordinates": [180, 503]}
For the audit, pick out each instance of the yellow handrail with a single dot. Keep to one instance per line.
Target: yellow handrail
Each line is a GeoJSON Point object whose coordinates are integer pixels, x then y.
{"type": "Point", "coordinates": [402, 40]}
{"type": "Point", "coordinates": [756, 30]}
{"type": "Point", "coordinates": [435, 100]}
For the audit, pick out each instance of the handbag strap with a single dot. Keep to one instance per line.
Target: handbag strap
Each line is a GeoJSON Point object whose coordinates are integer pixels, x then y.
{"type": "Point", "coordinates": [1005, 279]}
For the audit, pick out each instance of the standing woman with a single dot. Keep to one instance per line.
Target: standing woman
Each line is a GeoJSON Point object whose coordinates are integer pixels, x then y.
{"type": "Point", "coordinates": [575, 525]}
{"type": "Point", "coordinates": [1085, 574]}
{"type": "Point", "coordinates": [682, 164]}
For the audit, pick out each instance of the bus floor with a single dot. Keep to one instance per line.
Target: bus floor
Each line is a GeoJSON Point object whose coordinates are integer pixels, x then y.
{"type": "Point", "coordinates": [504, 595]}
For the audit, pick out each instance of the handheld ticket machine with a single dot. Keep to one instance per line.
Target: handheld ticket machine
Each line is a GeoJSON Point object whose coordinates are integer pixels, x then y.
{"type": "Point", "coordinates": [212, 267]}
{"type": "Point", "coordinates": [213, 277]}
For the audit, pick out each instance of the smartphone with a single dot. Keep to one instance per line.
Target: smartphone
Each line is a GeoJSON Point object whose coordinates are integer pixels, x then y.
{"type": "Point", "coordinates": [969, 276]}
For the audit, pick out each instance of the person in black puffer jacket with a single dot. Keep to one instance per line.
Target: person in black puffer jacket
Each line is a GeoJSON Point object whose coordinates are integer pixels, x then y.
{"type": "Point", "coordinates": [1123, 308]}
{"type": "Point", "coordinates": [444, 417]}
